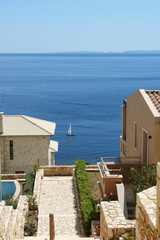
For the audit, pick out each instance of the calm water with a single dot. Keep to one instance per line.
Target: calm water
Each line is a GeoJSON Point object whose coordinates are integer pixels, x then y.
{"type": "Point", "coordinates": [85, 89]}
{"type": "Point", "coordinates": [7, 188]}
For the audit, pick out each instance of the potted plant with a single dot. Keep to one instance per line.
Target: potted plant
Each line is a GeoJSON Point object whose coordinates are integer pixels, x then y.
{"type": "Point", "coordinates": [98, 230]}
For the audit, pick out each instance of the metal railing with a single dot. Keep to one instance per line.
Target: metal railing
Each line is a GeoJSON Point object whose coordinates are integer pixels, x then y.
{"type": "Point", "coordinates": [120, 159]}
{"type": "Point", "coordinates": [112, 166]}
{"type": "Point", "coordinates": [105, 170]}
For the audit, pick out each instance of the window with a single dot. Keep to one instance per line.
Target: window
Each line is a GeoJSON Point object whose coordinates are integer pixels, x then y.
{"type": "Point", "coordinates": [135, 134]}
{"type": "Point", "coordinates": [11, 149]}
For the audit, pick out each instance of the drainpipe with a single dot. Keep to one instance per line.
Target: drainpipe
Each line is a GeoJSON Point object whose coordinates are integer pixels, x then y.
{"type": "Point", "coordinates": [1, 132]}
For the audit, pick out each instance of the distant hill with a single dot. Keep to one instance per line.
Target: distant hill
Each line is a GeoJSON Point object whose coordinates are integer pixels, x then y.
{"type": "Point", "coordinates": [88, 53]}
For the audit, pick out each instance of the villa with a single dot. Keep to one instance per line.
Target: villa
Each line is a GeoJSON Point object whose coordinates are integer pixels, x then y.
{"type": "Point", "coordinates": [140, 138]}
{"type": "Point", "coordinates": [24, 142]}
{"type": "Point", "coordinates": [139, 144]}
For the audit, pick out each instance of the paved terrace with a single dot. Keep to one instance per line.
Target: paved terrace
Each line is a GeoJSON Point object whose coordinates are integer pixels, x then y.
{"type": "Point", "coordinates": [57, 197]}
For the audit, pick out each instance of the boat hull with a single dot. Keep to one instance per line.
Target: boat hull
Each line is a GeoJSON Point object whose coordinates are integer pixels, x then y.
{"type": "Point", "coordinates": [69, 134]}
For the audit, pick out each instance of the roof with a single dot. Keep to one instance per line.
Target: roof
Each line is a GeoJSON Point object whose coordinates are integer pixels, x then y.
{"type": "Point", "coordinates": [53, 146]}
{"type": "Point", "coordinates": [21, 125]}
{"type": "Point", "coordinates": [154, 96]}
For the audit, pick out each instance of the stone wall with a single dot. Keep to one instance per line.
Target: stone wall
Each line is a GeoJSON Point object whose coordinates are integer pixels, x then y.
{"type": "Point", "coordinates": [27, 151]}
{"type": "Point", "coordinates": [112, 221]}
{"type": "Point", "coordinates": [158, 199]}
{"type": "Point", "coordinates": [37, 184]}
{"type": "Point", "coordinates": [64, 170]}
{"type": "Point", "coordinates": [58, 170]}
{"type": "Point", "coordinates": [146, 215]}
{"type": "Point", "coordinates": [12, 221]}
{"type": "Point", "coordinates": [13, 176]}
{"type": "Point", "coordinates": [148, 212]}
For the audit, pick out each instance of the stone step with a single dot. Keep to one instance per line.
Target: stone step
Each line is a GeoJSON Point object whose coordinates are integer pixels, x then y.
{"type": "Point", "coordinates": [72, 237]}
{"type": "Point", "coordinates": [59, 237]}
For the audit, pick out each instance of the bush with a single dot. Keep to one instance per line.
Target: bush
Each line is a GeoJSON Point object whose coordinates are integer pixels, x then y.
{"type": "Point", "coordinates": [30, 228]}
{"type": "Point", "coordinates": [10, 202]}
{"type": "Point", "coordinates": [32, 202]}
{"type": "Point", "coordinates": [29, 184]}
{"type": "Point", "coordinates": [129, 235]}
{"type": "Point", "coordinates": [87, 203]}
{"type": "Point", "coordinates": [143, 178]}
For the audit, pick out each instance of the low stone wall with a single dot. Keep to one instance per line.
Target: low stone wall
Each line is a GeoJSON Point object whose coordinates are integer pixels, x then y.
{"type": "Point", "coordinates": [158, 199]}
{"type": "Point", "coordinates": [92, 167]}
{"type": "Point", "coordinates": [148, 212]}
{"type": "Point", "coordinates": [2, 221]}
{"type": "Point", "coordinates": [146, 215]}
{"type": "Point", "coordinates": [13, 176]}
{"type": "Point", "coordinates": [12, 221]}
{"type": "Point", "coordinates": [37, 184]}
{"type": "Point", "coordinates": [23, 206]}
{"type": "Point", "coordinates": [64, 170]}
{"type": "Point", "coordinates": [112, 221]}
{"type": "Point", "coordinates": [58, 170]}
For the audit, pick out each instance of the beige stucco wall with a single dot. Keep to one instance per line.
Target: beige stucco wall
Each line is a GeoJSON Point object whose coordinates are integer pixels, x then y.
{"type": "Point", "coordinates": [27, 151]}
{"type": "Point", "coordinates": [156, 139]}
{"type": "Point", "coordinates": [138, 111]}
{"type": "Point", "coordinates": [109, 185]}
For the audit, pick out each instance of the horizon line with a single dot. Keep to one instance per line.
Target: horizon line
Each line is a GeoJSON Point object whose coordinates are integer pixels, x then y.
{"type": "Point", "coordinates": [85, 52]}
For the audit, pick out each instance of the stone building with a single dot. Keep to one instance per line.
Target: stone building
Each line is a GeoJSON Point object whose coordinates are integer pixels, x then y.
{"type": "Point", "coordinates": [25, 141]}
{"type": "Point", "coordinates": [140, 138]}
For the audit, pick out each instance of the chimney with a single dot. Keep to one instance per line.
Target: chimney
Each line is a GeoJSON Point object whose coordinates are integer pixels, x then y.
{"type": "Point", "coordinates": [1, 122]}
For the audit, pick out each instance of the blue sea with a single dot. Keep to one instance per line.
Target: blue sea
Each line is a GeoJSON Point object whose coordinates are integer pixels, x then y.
{"type": "Point", "coordinates": [86, 89]}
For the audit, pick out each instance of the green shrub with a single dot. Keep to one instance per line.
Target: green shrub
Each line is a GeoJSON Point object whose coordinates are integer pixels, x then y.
{"type": "Point", "coordinates": [129, 235]}
{"type": "Point", "coordinates": [29, 184]}
{"type": "Point", "coordinates": [142, 178]}
{"type": "Point", "coordinates": [10, 202]}
{"type": "Point", "coordinates": [87, 203]}
{"type": "Point", "coordinates": [30, 228]}
{"type": "Point", "coordinates": [32, 202]}
{"type": "Point", "coordinates": [35, 168]}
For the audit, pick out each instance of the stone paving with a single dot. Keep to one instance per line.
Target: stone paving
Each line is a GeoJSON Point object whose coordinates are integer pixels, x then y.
{"type": "Point", "coordinates": [57, 197]}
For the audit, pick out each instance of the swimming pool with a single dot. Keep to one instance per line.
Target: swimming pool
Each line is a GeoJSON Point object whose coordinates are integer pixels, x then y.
{"type": "Point", "coordinates": [10, 187]}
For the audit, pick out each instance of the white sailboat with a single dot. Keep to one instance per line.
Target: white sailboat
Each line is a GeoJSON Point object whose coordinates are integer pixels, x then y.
{"type": "Point", "coordinates": [70, 133]}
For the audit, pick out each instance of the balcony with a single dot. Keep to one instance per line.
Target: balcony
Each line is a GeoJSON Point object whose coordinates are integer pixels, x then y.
{"type": "Point", "coordinates": [115, 178]}
{"type": "Point", "coordinates": [114, 170]}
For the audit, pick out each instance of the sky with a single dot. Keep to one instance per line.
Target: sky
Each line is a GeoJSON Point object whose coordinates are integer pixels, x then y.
{"type": "Point", "coordinates": [45, 26]}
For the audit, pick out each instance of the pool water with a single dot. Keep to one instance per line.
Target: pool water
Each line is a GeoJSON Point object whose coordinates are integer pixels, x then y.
{"type": "Point", "coordinates": [7, 187]}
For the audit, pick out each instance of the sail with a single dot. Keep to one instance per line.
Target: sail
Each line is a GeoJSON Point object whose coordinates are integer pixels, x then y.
{"type": "Point", "coordinates": [69, 130]}
{"type": "Point", "coordinates": [69, 133]}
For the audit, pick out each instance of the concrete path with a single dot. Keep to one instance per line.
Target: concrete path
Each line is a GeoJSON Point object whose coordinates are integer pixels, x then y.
{"type": "Point", "coordinates": [57, 197]}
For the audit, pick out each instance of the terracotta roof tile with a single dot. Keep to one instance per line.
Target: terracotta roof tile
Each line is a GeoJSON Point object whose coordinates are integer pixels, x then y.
{"type": "Point", "coordinates": [154, 95]}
